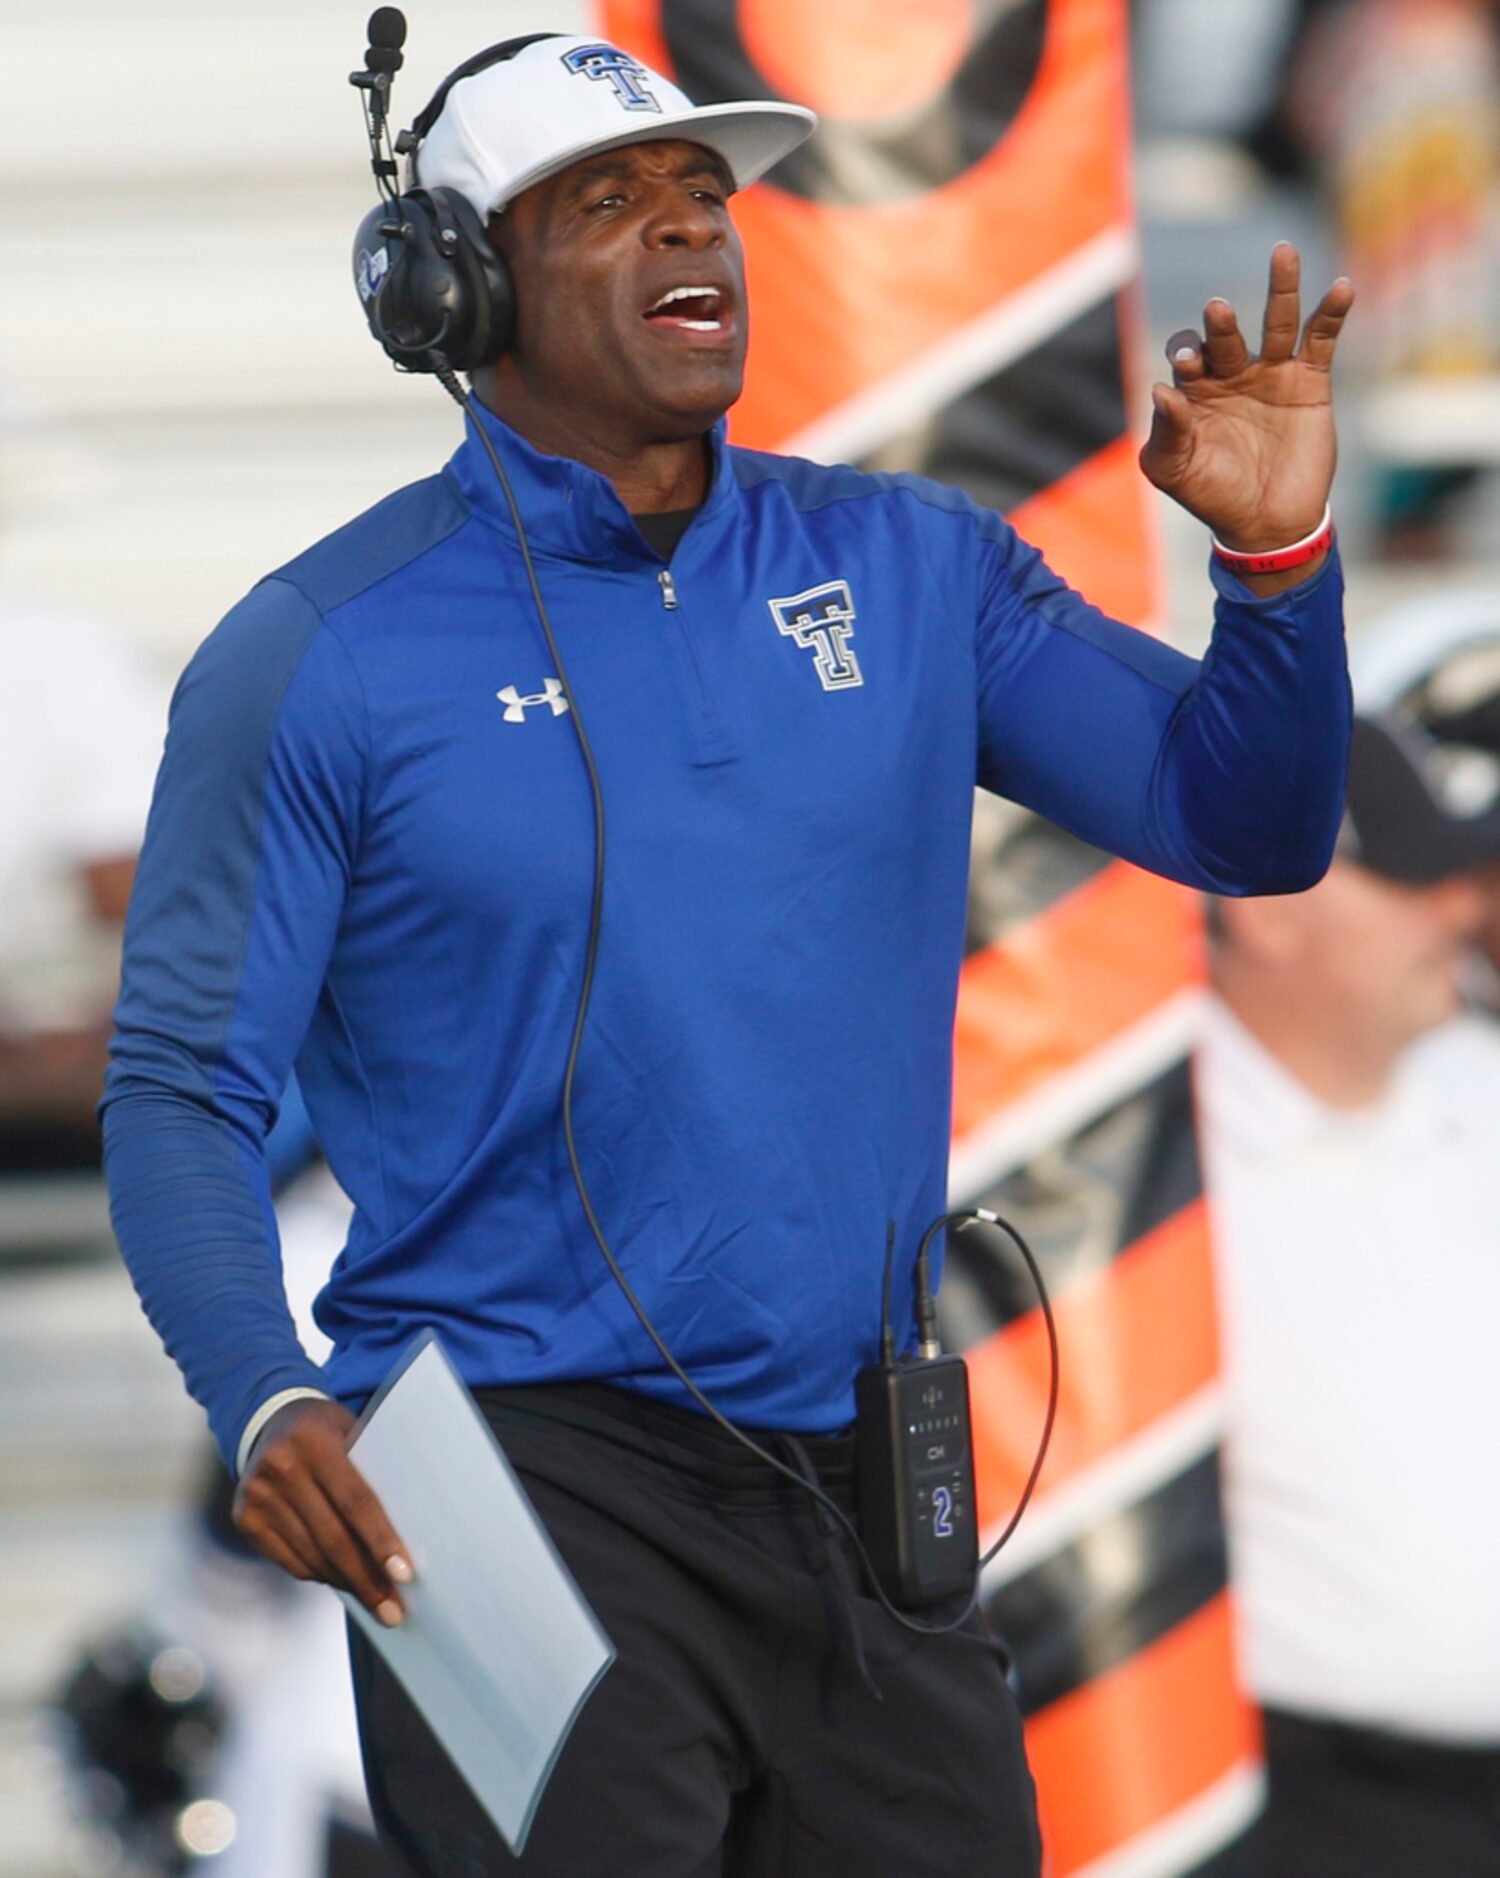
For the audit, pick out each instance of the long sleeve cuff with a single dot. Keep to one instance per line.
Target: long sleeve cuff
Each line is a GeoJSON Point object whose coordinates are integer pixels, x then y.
{"type": "Point", "coordinates": [263, 1414]}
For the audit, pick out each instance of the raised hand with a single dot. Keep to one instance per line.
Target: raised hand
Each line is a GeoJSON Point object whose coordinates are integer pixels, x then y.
{"type": "Point", "coordinates": [1246, 442]}
{"type": "Point", "coordinates": [305, 1505]}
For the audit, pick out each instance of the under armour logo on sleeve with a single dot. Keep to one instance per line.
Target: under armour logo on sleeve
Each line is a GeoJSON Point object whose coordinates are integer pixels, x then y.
{"type": "Point", "coordinates": [517, 706]}
{"type": "Point", "coordinates": [822, 620]}
{"type": "Point", "coordinates": [627, 75]}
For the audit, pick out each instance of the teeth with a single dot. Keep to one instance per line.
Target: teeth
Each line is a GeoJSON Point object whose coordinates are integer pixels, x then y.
{"type": "Point", "coordinates": [699, 326]}
{"type": "Point", "coordinates": [685, 293]}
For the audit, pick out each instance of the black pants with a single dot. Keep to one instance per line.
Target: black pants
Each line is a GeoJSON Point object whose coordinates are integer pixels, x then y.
{"type": "Point", "coordinates": [1350, 1803]}
{"type": "Point", "coordinates": [736, 1734]}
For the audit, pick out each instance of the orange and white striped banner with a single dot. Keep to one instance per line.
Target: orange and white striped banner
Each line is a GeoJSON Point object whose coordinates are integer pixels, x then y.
{"type": "Point", "coordinates": [944, 280]}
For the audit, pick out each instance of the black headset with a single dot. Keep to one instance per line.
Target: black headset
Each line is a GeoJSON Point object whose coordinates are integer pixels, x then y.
{"type": "Point", "coordinates": [437, 296]}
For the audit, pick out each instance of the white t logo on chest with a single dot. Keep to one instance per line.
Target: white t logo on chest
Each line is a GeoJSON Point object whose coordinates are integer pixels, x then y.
{"type": "Point", "coordinates": [822, 620]}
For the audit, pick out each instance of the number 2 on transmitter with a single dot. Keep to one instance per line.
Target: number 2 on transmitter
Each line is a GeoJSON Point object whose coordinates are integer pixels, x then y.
{"type": "Point", "coordinates": [942, 1512]}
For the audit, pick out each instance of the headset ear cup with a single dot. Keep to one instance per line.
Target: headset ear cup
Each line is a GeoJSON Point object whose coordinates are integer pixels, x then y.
{"type": "Point", "coordinates": [434, 290]}
{"type": "Point", "coordinates": [381, 262]}
{"type": "Point", "coordinates": [492, 329]}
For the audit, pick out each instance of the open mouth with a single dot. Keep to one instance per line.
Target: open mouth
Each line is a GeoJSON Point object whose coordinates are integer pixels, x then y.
{"type": "Point", "coordinates": [690, 309]}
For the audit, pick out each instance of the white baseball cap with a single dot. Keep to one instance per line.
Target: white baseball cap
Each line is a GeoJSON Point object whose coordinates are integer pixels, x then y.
{"type": "Point", "coordinates": [563, 98]}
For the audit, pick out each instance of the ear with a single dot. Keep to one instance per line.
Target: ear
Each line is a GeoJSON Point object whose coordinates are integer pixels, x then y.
{"type": "Point", "coordinates": [497, 233]}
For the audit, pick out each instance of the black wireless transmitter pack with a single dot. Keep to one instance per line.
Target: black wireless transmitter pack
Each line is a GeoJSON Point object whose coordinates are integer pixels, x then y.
{"type": "Point", "coordinates": [915, 1458]}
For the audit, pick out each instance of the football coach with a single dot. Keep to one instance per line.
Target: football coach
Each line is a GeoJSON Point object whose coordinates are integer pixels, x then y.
{"type": "Point", "coordinates": [374, 855]}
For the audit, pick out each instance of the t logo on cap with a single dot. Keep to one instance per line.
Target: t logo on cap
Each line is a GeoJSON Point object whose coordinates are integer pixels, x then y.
{"type": "Point", "coordinates": [627, 75]}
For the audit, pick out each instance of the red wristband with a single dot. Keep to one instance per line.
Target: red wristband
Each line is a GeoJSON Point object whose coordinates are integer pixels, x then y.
{"type": "Point", "coordinates": [1277, 560]}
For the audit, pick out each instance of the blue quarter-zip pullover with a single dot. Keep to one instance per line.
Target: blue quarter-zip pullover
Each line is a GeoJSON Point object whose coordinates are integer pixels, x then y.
{"type": "Point", "coordinates": [370, 857]}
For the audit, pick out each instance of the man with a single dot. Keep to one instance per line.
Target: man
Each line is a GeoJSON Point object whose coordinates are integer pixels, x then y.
{"type": "Point", "coordinates": [1348, 1117]}
{"type": "Point", "coordinates": [792, 677]}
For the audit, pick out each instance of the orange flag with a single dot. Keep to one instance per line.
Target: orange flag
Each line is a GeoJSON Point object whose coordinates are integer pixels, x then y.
{"type": "Point", "coordinates": [944, 280]}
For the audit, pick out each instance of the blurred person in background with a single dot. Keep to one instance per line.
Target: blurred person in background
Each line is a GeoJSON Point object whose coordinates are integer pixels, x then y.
{"type": "Point", "coordinates": [81, 721]}
{"type": "Point", "coordinates": [1395, 105]}
{"type": "Point", "coordinates": [1349, 1108]}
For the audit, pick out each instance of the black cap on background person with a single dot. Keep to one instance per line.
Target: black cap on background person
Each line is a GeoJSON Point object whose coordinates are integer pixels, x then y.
{"type": "Point", "coordinates": [1434, 663]}
{"type": "Point", "coordinates": [1420, 806]}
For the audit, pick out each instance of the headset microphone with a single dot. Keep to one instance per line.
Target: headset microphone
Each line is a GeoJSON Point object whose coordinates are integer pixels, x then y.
{"type": "Point", "coordinates": [437, 296]}
{"type": "Point", "coordinates": [387, 31]}
{"type": "Point", "coordinates": [383, 59]}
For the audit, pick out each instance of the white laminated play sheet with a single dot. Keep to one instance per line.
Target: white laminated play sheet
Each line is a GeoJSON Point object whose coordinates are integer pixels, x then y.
{"type": "Point", "coordinates": [498, 1650]}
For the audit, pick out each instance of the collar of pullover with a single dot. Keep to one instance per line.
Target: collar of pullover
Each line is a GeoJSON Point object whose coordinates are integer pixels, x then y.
{"type": "Point", "coordinates": [569, 510]}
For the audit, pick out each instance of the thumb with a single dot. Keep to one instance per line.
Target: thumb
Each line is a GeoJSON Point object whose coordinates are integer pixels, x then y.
{"type": "Point", "coordinates": [1169, 445]}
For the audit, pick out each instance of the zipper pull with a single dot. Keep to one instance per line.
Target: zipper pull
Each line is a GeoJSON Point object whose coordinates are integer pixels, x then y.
{"type": "Point", "coordinates": [668, 591]}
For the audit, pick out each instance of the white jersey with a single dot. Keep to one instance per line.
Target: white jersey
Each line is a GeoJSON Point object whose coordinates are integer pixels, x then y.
{"type": "Point", "coordinates": [1360, 1257]}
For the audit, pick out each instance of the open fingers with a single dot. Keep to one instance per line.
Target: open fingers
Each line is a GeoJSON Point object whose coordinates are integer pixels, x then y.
{"type": "Point", "coordinates": [1224, 343]}
{"type": "Point", "coordinates": [1326, 322]}
{"type": "Point", "coordinates": [1220, 353]}
{"type": "Point", "coordinates": [1185, 356]}
{"type": "Point", "coordinates": [1283, 320]}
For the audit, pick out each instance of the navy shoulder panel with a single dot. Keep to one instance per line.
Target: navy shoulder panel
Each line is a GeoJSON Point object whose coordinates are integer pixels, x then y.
{"type": "Point", "coordinates": [816, 485]}
{"type": "Point", "coordinates": [190, 912]}
{"type": "Point", "coordinates": [377, 544]}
